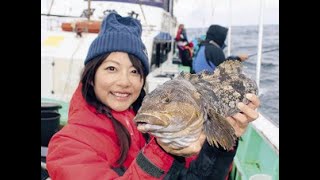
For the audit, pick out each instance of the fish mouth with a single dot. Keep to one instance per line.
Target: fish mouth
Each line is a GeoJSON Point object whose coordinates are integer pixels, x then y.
{"type": "Point", "coordinates": [147, 122]}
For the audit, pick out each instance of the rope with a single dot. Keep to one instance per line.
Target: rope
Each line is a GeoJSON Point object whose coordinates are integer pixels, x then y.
{"type": "Point", "coordinates": [144, 17]}
{"type": "Point", "coordinates": [50, 7]}
{"type": "Point", "coordinates": [70, 68]}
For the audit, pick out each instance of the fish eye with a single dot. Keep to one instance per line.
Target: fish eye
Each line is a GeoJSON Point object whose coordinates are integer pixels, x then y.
{"type": "Point", "coordinates": [166, 100]}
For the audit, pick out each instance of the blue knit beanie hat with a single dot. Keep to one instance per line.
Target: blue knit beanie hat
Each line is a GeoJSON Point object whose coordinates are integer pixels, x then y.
{"type": "Point", "coordinates": [119, 34]}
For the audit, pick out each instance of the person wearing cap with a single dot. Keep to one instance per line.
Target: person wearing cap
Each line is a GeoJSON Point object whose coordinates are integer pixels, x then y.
{"type": "Point", "coordinates": [210, 54]}
{"type": "Point", "coordinates": [101, 141]}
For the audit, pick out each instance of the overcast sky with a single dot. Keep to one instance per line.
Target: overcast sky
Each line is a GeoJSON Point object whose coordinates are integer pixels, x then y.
{"type": "Point", "coordinates": [202, 13]}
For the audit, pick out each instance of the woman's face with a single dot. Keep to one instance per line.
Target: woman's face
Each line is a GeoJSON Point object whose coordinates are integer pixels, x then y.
{"type": "Point", "coordinates": [117, 82]}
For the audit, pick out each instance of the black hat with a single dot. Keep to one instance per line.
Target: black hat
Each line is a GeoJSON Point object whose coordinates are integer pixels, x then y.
{"type": "Point", "coordinates": [218, 34]}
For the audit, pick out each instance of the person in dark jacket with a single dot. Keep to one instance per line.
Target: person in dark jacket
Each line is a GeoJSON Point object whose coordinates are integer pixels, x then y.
{"type": "Point", "coordinates": [101, 140]}
{"type": "Point", "coordinates": [210, 53]}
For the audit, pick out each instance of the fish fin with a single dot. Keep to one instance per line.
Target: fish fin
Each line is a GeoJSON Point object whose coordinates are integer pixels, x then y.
{"type": "Point", "coordinates": [192, 78]}
{"type": "Point", "coordinates": [205, 75]}
{"type": "Point", "coordinates": [185, 75]}
{"type": "Point", "coordinates": [228, 67]}
{"type": "Point", "coordinates": [219, 131]}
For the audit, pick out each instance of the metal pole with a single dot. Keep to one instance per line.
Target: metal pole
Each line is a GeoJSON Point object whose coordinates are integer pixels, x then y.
{"type": "Point", "coordinates": [258, 66]}
{"type": "Point", "coordinates": [229, 31]}
{"type": "Point", "coordinates": [171, 33]}
{"type": "Point", "coordinates": [89, 9]}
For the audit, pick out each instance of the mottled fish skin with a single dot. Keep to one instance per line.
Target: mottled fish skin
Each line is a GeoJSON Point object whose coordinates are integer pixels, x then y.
{"type": "Point", "coordinates": [178, 110]}
{"type": "Point", "coordinates": [225, 87]}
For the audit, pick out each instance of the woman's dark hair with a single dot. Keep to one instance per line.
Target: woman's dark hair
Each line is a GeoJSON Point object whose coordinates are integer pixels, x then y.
{"type": "Point", "coordinates": [87, 79]}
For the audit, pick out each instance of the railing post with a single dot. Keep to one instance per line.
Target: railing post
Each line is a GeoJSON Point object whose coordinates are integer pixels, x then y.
{"type": "Point", "coordinates": [258, 65]}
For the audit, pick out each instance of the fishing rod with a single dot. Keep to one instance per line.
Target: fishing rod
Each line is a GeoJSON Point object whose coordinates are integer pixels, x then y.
{"type": "Point", "coordinates": [270, 50]}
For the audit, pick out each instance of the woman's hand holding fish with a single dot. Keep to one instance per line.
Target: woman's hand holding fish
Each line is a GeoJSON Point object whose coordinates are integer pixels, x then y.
{"type": "Point", "coordinates": [193, 149]}
{"type": "Point", "coordinates": [248, 113]}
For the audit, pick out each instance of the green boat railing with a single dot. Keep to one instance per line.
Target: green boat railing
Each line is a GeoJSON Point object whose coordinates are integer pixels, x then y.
{"type": "Point", "coordinates": [256, 154]}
